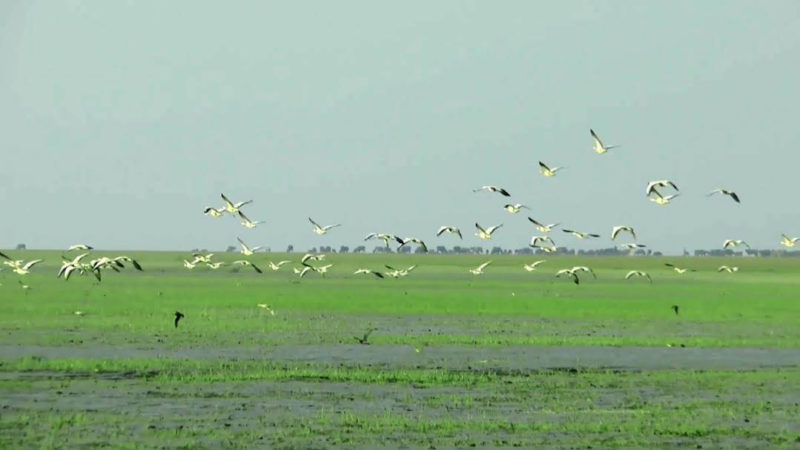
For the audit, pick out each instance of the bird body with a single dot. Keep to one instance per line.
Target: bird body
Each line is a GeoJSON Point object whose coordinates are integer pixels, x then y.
{"type": "Point", "coordinates": [547, 171]}
{"type": "Point", "coordinates": [486, 234]}
{"type": "Point", "coordinates": [368, 271]}
{"type": "Point", "coordinates": [515, 208]}
{"type": "Point", "coordinates": [24, 269]}
{"type": "Point", "coordinates": [789, 242]}
{"type": "Point", "coordinates": [651, 186]}
{"type": "Point", "coordinates": [80, 247]}
{"type": "Point", "coordinates": [247, 223]}
{"type": "Point", "coordinates": [638, 273]}
{"type": "Point", "coordinates": [615, 231]}
{"type": "Point", "coordinates": [214, 212]}
{"type": "Point", "coordinates": [497, 189]}
{"type": "Point", "coordinates": [244, 262]}
{"type": "Point", "coordinates": [479, 270]}
{"type": "Point", "coordinates": [679, 270]}
{"type": "Point", "coordinates": [276, 266]}
{"type": "Point", "coordinates": [580, 234]}
{"type": "Point", "coordinates": [320, 230]}
{"type": "Point", "coordinates": [734, 243]}
{"type": "Point", "coordinates": [531, 267]}
{"type": "Point", "coordinates": [730, 194]}
{"type": "Point", "coordinates": [415, 241]}
{"type": "Point", "coordinates": [542, 227]}
{"type": "Point", "coordinates": [662, 199]}
{"type": "Point", "coordinates": [231, 207]}
{"type": "Point", "coordinates": [729, 269]}
{"type": "Point", "coordinates": [245, 250]}
{"type": "Point", "coordinates": [449, 229]}
{"type": "Point", "coordinates": [599, 147]}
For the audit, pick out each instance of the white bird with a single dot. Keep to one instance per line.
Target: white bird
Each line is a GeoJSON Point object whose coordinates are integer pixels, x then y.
{"type": "Point", "coordinates": [267, 308]}
{"type": "Point", "coordinates": [231, 207]}
{"type": "Point", "coordinates": [302, 272]}
{"type": "Point", "coordinates": [531, 267]}
{"type": "Point", "coordinates": [414, 241]}
{"type": "Point", "coordinates": [365, 271]}
{"type": "Point", "coordinates": [789, 242]}
{"type": "Point", "coordinates": [734, 243]}
{"type": "Point", "coordinates": [515, 208]}
{"type": "Point", "coordinates": [638, 273]}
{"type": "Point", "coordinates": [25, 269]}
{"type": "Point", "coordinates": [662, 200]}
{"type": "Point", "coordinates": [214, 212]}
{"type": "Point", "coordinates": [276, 266]}
{"type": "Point", "coordinates": [580, 234]}
{"type": "Point", "coordinates": [542, 227]}
{"type": "Point", "coordinates": [449, 229]}
{"type": "Point", "coordinates": [615, 231]}
{"type": "Point", "coordinates": [547, 171]}
{"type": "Point", "coordinates": [322, 269]}
{"type": "Point", "coordinates": [548, 249]}
{"type": "Point", "coordinates": [247, 223]}
{"type": "Point", "coordinates": [245, 250]}
{"type": "Point", "coordinates": [499, 190]}
{"type": "Point", "coordinates": [584, 269]}
{"type": "Point", "coordinates": [730, 194]}
{"type": "Point", "coordinates": [479, 270]}
{"type": "Point", "coordinates": [320, 230]}
{"type": "Point", "coordinates": [386, 238]}
{"type": "Point", "coordinates": [198, 258]}
{"type": "Point", "coordinates": [215, 266]}
{"type": "Point", "coordinates": [189, 264]}
{"type": "Point", "coordinates": [632, 246]}
{"type": "Point", "coordinates": [396, 273]}
{"type": "Point", "coordinates": [651, 186]}
{"type": "Point", "coordinates": [679, 270]}
{"type": "Point", "coordinates": [728, 269]}
{"type": "Point", "coordinates": [599, 147]}
{"type": "Point", "coordinates": [486, 234]}
{"type": "Point", "coordinates": [243, 262]}
{"type": "Point", "coordinates": [80, 247]}
{"type": "Point", "coordinates": [569, 273]}
{"type": "Point", "coordinates": [70, 266]}
{"type": "Point", "coordinates": [537, 239]}
{"type": "Point", "coordinates": [311, 257]}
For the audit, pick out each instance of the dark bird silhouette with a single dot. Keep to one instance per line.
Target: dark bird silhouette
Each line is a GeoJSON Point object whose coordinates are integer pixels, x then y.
{"type": "Point", "coordinates": [363, 340]}
{"type": "Point", "coordinates": [4, 256]}
{"type": "Point", "coordinates": [675, 309]}
{"type": "Point", "coordinates": [178, 317]}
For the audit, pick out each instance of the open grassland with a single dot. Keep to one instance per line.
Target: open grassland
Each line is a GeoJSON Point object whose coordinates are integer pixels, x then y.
{"type": "Point", "coordinates": [509, 358]}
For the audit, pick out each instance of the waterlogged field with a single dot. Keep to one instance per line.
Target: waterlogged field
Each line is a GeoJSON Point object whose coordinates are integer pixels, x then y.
{"type": "Point", "coordinates": [506, 359]}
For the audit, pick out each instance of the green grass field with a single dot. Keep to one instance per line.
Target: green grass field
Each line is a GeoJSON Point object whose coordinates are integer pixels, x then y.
{"type": "Point", "coordinates": [506, 359]}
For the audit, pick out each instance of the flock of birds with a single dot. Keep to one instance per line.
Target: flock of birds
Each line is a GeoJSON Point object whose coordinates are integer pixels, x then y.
{"type": "Point", "coordinates": [660, 192]}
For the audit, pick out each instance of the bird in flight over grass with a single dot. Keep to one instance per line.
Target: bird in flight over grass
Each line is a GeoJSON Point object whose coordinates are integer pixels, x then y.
{"type": "Point", "coordinates": [547, 171]}
{"type": "Point", "coordinates": [537, 239]}
{"type": "Point", "coordinates": [413, 240]}
{"type": "Point", "coordinates": [729, 269]}
{"type": "Point", "coordinates": [266, 307]}
{"type": "Point", "coordinates": [3, 255]}
{"type": "Point", "coordinates": [638, 273]}
{"type": "Point", "coordinates": [632, 246]}
{"type": "Point", "coordinates": [789, 242]}
{"type": "Point", "coordinates": [679, 270]}
{"type": "Point", "coordinates": [216, 265]}
{"type": "Point", "coordinates": [449, 229]}
{"type": "Point", "coordinates": [531, 267]}
{"type": "Point", "coordinates": [247, 223]}
{"type": "Point", "coordinates": [499, 190]}
{"type": "Point", "coordinates": [311, 257]}
{"type": "Point", "coordinates": [615, 231]}
{"type": "Point", "coordinates": [581, 235]}
{"type": "Point", "coordinates": [599, 147]}
{"type": "Point", "coordinates": [80, 247]}
{"type": "Point", "coordinates": [734, 243]}
{"type": "Point", "coordinates": [276, 266]}
{"type": "Point", "coordinates": [569, 273]}
{"type": "Point", "coordinates": [24, 269]}
{"type": "Point", "coordinates": [479, 270]}
{"type": "Point", "coordinates": [320, 230]}
{"type": "Point", "coordinates": [243, 262]}
{"type": "Point", "coordinates": [542, 227]}
{"type": "Point", "coordinates": [368, 271]}
{"type": "Point", "coordinates": [364, 340]}
{"type": "Point", "coordinates": [232, 207]}
{"type": "Point", "coordinates": [245, 250]}
{"type": "Point", "coordinates": [178, 317]}
{"type": "Point", "coordinates": [386, 238]}
{"type": "Point", "coordinates": [486, 234]}
{"type": "Point", "coordinates": [730, 194]}
{"type": "Point", "coordinates": [214, 212]}
{"type": "Point", "coordinates": [302, 272]}
{"type": "Point", "coordinates": [397, 273]}
{"type": "Point", "coordinates": [515, 208]}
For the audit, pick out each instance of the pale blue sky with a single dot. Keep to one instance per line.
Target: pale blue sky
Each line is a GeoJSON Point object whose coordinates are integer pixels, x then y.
{"type": "Point", "coordinates": [122, 120]}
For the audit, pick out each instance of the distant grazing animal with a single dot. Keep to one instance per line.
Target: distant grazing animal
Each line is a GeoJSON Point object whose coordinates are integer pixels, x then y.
{"type": "Point", "coordinates": [178, 317]}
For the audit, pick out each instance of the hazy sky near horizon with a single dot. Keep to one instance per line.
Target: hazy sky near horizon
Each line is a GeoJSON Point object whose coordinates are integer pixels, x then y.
{"type": "Point", "coordinates": [122, 120]}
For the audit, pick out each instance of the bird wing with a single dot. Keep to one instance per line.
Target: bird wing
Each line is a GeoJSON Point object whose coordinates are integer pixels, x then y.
{"type": "Point", "coordinates": [314, 223]}
{"type": "Point", "coordinates": [630, 274]}
{"type": "Point", "coordinates": [535, 222]}
{"type": "Point", "coordinates": [31, 264]}
{"type": "Point", "coordinates": [244, 217]}
{"type": "Point", "coordinates": [492, 229]}
{"type": "Point", "coordinates": [227, 201]}
{"type": "Point", "coordinates": [328, 227]}
{"type": "Point", "coordinates": [442, 230]}
{"type": "Point", "coordinates": [734, 197]}
{"type": "Point", "coordinates": [544, 166]}
{"type": "Point", "coordinates": [479, 227]}
{"type": "Point", "coordinates": [504, 192]}
{"type": "Point", "coordinates": [483, 266]}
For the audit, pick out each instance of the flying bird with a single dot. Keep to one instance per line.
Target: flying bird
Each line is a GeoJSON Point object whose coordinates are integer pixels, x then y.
{"type": "Point", "coordinates": [365, 271]}
{"type": "Point", "coordinates": [320, 230]}
{"type": "Point", "coordinates": [651, 186]}
{"type": "Point", "coordinates": [569, 273]}
{"type": "Point", "coordinates": [247, 223]}
{"type": "Point", "coordinates": [728, 269]}
{"type": "Point", "coordinates": [638, 273]}
{"type": "Point", "coordinates": [214, 212]}
{"type": "Point", "coordinates": [615, 231]}
{"type": "Point", "coordinates": [661, 199]}
{"type": "Point", "coordinates": [231, 207]}
{"type": "Point", "coordinates": [734, 243]}
{"type": "Point", "coordinates": [386, 238]}
{"type": "Point", "coordinates": [276, 266]}
{"type": "Point", "coordinates": [499, 190]}
{"type": "Point", "coordinates": [486, 234]}
{"type": "Point", "coordinates": [245, 250]}
{"type": "Point", "coordinates": [364, 339]}
{"type": "Point", "coordinates": [216, 265]}
{"type": "Point", "coordinates": [448, 229]}
{"type": "Point", "coordinates": [547, 171]}
{"type": "Point", "coordinates": [531, 267]}
{"type": "Point", "coordinates": [542, 227]}
{"type": "Point", "coordinates": [311, 257]}
{"type": "Point", "coordinates": [632, 246]}
{"type": "Point", "coordinates": [396, 273]}
{"type": "Point", "coordinates": [24, 269]}
{"type": "Point", "coordinates": [243, 262]}
{"type": "Point", "coordinates": [580, 235]}
{"type": "Point", "coordinates": [789, 242]}
{"type": "Point", "coordinates": [679, 270]}
{"type": "Point", "coordinates": [515, 208]}
{"type": "Point", "coordinates": [599, 147]}
{"type": "Point", "coordinates": [267, 308]}
{"type": "Point", "coordinates": [479, 270]}
{"type": "Point", "coordinates": [3, 255]}
{"type": "Point", "coordinates": [537, 239]}
{"type": "Point", "coordinates": [730, 194]}
{"type": "Point", "coordinates": [178, 317]}
{"type": "Point", "coordinates": [414, 241]}
{"type": "Point", "coordinates": [302, 272]}
{"type": "Point", "coordinates": [80, 247]}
